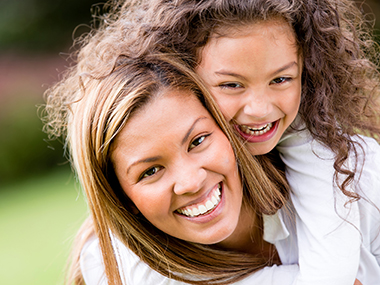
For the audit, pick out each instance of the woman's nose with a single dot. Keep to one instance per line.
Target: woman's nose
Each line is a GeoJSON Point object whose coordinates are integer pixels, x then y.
{"type": "Point", "coordinates": [189, 179]}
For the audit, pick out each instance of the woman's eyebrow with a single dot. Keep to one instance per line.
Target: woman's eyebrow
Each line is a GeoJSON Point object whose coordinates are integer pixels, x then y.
{"type": "Point", "coordinates": [156, 158]}
{"type": "Point", "coordinates": [144, 160]}
{"type": "Point", "coordinates": [185, 138]}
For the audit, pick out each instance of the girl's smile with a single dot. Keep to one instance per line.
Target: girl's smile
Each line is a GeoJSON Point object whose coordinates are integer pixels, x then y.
{"type": "Point", "coordinates": [257, 134]}
{"type": "Point", "coordinates": [254, 73]}
{"type": "Point", "coordinates": [179, 170]}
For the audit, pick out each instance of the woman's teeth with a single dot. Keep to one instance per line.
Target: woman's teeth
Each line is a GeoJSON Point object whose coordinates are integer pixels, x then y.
{"type": "Point", "coordinates": [200, 209]}
{"type": "Point", "coordinates": [256, 131]}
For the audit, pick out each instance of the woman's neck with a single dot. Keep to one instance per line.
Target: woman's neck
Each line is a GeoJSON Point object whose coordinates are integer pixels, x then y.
{"type": "Point", "coordinates": [248, 237]}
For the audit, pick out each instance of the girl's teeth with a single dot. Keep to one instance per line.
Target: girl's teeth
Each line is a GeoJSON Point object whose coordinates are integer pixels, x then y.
{"type": "Point", "coordinates": [256, 131]}
{"type": "Point", "coordinates": [201, 209]}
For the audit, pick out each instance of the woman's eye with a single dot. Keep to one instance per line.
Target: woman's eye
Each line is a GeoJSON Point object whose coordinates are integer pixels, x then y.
{"type": "Point", "coordinates": [280, 80]}
{"type": "Point", "coordinates": [231, 85]}
{"type": "Point", "coordinates": [149, 172]}
{"type": "Point", "coordinates": [197, 141]}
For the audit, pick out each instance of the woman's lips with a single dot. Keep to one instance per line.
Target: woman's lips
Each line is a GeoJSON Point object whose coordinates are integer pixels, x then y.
{"type": "Point", "coordinates": [206, 206]}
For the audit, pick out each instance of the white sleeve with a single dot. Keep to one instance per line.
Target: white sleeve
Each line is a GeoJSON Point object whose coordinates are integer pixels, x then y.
{"type": "Point", "coordinates": [328, 230]}
{"type": "Point", "coordinates": [136, 272]}
{"type": "Point", "coordinates": [91, 263]}
{"type": "Point", "coordinates": [132, 270]}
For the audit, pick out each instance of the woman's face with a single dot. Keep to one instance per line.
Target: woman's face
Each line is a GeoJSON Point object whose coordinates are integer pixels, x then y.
{"type": "Point", "coordinates": [255, 76]}
{"type": "Point", "coordinates": [179, 170]}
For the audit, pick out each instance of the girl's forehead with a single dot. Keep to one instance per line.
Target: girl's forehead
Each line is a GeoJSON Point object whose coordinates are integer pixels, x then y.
{"type": "Point", "coordinates": [244, 28]}
{"type": "Point", "coordinates": [266, 29]}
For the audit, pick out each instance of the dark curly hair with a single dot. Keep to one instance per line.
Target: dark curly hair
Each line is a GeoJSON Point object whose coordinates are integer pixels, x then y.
{"type": "Point", "coordinates": [340, 80]}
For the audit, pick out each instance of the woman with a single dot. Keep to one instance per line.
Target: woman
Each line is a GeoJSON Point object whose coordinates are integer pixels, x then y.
{"type": "Point", "coordinates": [155, 165]}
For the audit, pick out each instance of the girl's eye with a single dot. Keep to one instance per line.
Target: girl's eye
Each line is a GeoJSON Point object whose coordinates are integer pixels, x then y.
{"type": "Point", "coordinates": [280, 80]}
{"type": "Point", "coordinates": [197, 141]}
{"type": "Point", "coordinates": [149, 172]}
{"type": "Point", "coordinates": [231, 85]}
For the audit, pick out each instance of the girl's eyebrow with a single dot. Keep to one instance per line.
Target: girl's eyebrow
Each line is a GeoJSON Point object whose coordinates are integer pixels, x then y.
{"type": "Point", "coordinates": [156, 158]}
{"type": "Point", "coordinates": [222, 72]}
{"type": "Point", "coordinates": [285, 67]}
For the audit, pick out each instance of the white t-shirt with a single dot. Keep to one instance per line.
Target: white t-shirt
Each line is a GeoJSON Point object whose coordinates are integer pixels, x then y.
{"type": "Point", "coordinates": [328, 249]}
{"type": "Point", "coordinates": [133, 271]}
{"type": "Point", "coordinates": [326, 224]}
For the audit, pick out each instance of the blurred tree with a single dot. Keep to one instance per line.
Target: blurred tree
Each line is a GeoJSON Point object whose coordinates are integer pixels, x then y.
{"type": "Point", "coordinates": [41, 24]}
{"type": "Point", "coordinates": [373, 8]}
{"type": "Point", "coordinates": [32, 33]}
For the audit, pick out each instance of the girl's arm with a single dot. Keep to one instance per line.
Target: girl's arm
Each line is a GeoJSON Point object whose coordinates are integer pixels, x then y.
{"type": "Point", "coordinates": [327, 229]}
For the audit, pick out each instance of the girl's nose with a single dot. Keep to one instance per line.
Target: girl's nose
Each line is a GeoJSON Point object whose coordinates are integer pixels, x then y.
{"type": "Point", "coordinates": [258, 105]}
{"type": "Point", "coordinates": [189, 179]}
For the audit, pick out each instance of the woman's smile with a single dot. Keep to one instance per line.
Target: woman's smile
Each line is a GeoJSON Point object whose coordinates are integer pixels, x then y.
{"type": "Point", "coordinates": [180, 173]}
{"type": "Point", "coordinates": [206, 206]}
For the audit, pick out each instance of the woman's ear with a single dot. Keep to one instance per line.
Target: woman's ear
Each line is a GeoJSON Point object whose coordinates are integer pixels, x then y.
{"type": "Point", "coordinates": [124, 199]}
{"type": "Point", "coordinates": [133, 207]}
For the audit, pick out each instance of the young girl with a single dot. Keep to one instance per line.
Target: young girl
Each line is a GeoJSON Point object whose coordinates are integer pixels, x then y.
{"type": "Point", "coordinates": [292, 75]}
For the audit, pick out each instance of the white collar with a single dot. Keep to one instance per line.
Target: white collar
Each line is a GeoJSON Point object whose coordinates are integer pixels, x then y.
{"type": "Point", "coordinates": [274, 228]}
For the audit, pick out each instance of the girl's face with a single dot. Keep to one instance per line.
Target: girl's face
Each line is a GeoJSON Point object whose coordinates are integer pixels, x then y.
{"type": "Point", "coordinates": [179, 170]}
{"type": "Point", "coordinates": [255, 76]}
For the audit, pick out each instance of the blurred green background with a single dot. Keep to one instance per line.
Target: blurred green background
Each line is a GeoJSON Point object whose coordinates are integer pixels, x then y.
{"type": "Point", "coordinates": [41, 206]}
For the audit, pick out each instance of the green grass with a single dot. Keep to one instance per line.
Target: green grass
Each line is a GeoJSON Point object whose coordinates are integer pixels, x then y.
{"type": "Point", "coordinates": [38, 220]}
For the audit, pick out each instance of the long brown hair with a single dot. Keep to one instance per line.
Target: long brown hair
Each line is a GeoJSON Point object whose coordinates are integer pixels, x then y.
{"type": "Point", "coordinates": [340, 79]}
{"type": "Point", "coordinates": [94, 108]}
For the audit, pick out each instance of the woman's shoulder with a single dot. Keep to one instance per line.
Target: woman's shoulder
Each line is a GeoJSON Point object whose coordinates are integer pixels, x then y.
{"type": "Point", "coordinates": [91, 262]}
{"type": "Point", "coordinates": [132, 269]}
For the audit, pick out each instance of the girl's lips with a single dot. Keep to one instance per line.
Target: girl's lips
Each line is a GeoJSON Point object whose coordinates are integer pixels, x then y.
{"type": "Point", "coordinates": [255, 135]}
